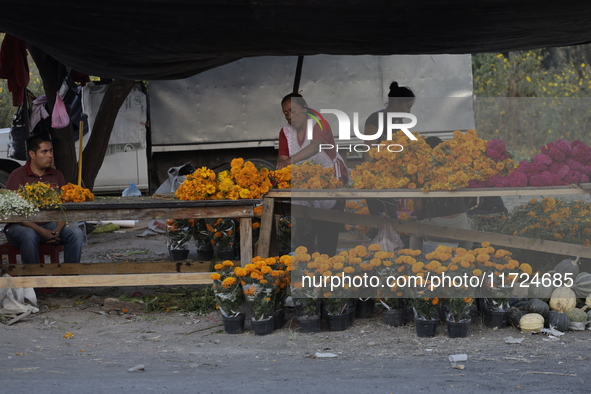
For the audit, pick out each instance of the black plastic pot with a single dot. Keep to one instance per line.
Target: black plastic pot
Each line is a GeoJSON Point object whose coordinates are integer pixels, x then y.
{"type": "Point", "coordinates": [279, 319]}
{"type": "Point", "coordinates": [178, 255]}
{"type": "Point", "coordinates": [234, 325]}
{"type": "Point", "coordinates": [262, 327]}
{"type": "Point", "coordinates": [337, 322]}
{"type": "Point", "coordinates": [495, 319]}
{"type": "Point", "coordinates": [426, 328]}
{"type": "Point", "coordinates": [458, 329]}
{"type": "Point", "coordinates": [394, 317]}
{"type": "Point", "coordinates": [364, 308]}
{"type": "Point", "coordinates": [309, 323]}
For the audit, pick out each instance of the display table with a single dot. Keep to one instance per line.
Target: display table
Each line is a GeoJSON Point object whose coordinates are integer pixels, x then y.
{"type": "Point", "coordinates": [131, 274]}
{"type": "Point", "coordinates": [279, 199]}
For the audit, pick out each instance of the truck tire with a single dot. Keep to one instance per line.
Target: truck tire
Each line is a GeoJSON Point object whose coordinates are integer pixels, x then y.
{"type": "Point", "coordinates": [3, 179]}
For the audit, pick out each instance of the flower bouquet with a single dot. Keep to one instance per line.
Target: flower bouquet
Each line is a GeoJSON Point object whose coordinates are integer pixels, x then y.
{"type": "Point", "coordinates": [261, 283]}
{"type": "Point", "coordinates": [75, 193]}
{"type": "Point", "coordinates": [178, 235]}
{"type": "Point", "coordinates": [458, 309]}
{"type": "Point", "coordinates": [41, 195]}
{"type": "Point", "coordinates": [425, 308]}
{"type": "Point", "coordinates": [227, 288]}
{"type": "Point", "coordinates": [12, 204]}
{"type": "Point", "coordinates": [217, 234]}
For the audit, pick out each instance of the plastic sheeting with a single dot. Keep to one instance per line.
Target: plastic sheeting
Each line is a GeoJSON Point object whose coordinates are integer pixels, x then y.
{"type": "Point", "coordinates": [169, 39]}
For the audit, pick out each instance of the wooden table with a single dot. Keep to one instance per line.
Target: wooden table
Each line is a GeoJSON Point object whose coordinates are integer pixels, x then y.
{"type": "Point", "coordinates": [131, 274]}
{"type": "Point", "coordinates": [278, 198]}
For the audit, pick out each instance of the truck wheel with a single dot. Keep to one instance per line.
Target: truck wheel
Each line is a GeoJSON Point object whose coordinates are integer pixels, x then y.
{"type": "Point", "coordinates": [3, 179]}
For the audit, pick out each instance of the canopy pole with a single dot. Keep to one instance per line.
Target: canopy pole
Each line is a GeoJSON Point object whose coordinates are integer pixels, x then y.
{"type": "Point", "coordinates": [298, 74]}
{"type": "Point", "coordinates": [80, 142]}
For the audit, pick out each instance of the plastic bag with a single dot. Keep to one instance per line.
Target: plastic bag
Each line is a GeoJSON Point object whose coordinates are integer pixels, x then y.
{"type": "Point", "coordinates": [59, 116]}
{"type": "Point", "coordinates": [387, 238]}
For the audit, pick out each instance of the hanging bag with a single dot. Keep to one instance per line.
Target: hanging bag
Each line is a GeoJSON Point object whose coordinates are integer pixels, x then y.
{"type": "Point", "coordinates": [59, 116]}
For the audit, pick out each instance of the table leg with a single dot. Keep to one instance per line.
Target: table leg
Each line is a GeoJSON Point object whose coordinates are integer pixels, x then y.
{"type": "Point", "coordinates": [245, 241]}
{"type": "Point", "coordinates": [266, 227]}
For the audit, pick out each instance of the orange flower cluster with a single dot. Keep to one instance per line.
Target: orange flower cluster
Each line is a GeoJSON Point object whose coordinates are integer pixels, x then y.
{"type": "Point", "coordinates": [448, 166]}
{"type": "Point", "coordinates": [360, 208]}
{"type": "Point", "coordinates": [313, 176]}
{"type": "Point", "coordinates": [282, 178]}
{"type": "Point", "coordinates": [75, 193]}
{"type": "Point", "coordinates": [243, 180]}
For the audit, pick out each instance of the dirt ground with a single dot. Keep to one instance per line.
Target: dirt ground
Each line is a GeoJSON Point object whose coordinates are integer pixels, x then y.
{"type": "Point", "coordinates": [82, 328]}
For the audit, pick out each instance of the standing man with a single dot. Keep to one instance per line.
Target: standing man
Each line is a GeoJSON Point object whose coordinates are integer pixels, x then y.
{"type": "Point", "coordinates": [27, 236]}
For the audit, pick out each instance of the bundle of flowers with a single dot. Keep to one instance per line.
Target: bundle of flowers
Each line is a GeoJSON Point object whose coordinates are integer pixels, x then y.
{"type": "Point", "coordinates": [360, 208]}
{"type": "Point", "coordinates": [243, 180]}
{"type": "Point", "coordinates": [560, 163]}
{"type": "Point", "coordinates": [200, 185]}
{"type": "Point", "coordinates": [227, 288]}
{"type": "Point", "coordinates": [313, 176]}
{"type": "Point", "coordinates": [75, 193]}
{"type": "Point", "coordinates": [261, 284]}
{"type": "Point", "coordinates": [179, 233]}
{"type": "Point", "coordinates": [41, 195]}
{"type": "Point", "coordinates": [449, 166]}
{"type": "Point", "coordinates": [458, 309]}
{"type": "Point", "coordinates": [281, 179]}
{"type": "Point", "coordinates": [217, 233]}
{"type": "Point", "coordinates": [550, 219]}
{"type": "Point", "coordinates": [12, 204]}
{"type": "Point", "coordinates": [425, 306]}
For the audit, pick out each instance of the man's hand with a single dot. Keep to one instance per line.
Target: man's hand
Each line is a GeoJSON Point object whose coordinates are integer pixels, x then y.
{"type": "Point", "coordinates": [50, 236]}
{"type": "Point", "coordinates": [283, 163]}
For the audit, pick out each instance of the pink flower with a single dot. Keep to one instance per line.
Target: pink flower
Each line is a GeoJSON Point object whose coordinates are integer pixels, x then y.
{"type": "Point", "coordinates": [476, 184]}
{"type": "Point", "coordinates": [573, 177]}
{"type": "Point", "coordinates": [493, 180]}
{"type": "Point", "coordinates": [573, 164]}
{"type": "Point", "coordinates": [556, 155]}
{"type": "Point", "coordinates": [585, 170]}
{"type": "Point", "coordinates": [541, 158]}
{"type": "Point", "coordinates": [493, 154]}
{"type": "Point", "coordinates": [581, 153]}
{"type": "Point", "coordinates": [559, 169]}
{"type": "Point", "coordinates": [540, 180]}
{"type": "Point", "coordinates": [517, 179]}
{"type": "Point", "coordinates": [584, 178]}
{"type": "Point", "coordinates": [546, 148]}
{"type": "Point", "coordinates": [564, 147]}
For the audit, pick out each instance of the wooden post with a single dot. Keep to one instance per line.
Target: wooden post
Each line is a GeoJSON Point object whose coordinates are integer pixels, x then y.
{"type": "Point", "coordinates": [264, 243]}
{"type": "Point", "coordinates": [245, 241]}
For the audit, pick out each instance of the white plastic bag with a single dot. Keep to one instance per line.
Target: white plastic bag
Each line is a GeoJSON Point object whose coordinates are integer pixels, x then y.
{"type": "Point", "coordinates": [387, 238]}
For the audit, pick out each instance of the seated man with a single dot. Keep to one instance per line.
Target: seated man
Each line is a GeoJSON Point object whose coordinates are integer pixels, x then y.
{"type": "Point", "coordinates": [27, 236]}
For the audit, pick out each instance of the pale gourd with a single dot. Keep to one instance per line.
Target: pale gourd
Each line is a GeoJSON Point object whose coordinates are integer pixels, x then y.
{"type": "Point", "coordinates": [563, 299]}
{"type": "Point", "coordinates": [532, 322]}
{"type": "Point", "coordinates": [587, 303]}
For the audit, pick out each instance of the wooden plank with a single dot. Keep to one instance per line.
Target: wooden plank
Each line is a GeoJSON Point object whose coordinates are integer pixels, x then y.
{"type": "Point", "coordinates": [417, 193]}
{"type": "Point", "coordinates": [449, 232]}
{"type": "Point", "coordinates": [106, 280]}
{"type": "Point", "coordinates": [140, 214]}
{"type": "Point", "coordinates": [266, 227]}
{"type": "Point", "coordinates": [105, 268]}
{"type": "Point", "coordinates": [245, 241]}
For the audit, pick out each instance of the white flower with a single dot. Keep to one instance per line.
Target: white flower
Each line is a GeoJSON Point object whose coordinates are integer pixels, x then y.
{"type": "Point", "coordinates": [11, 204]}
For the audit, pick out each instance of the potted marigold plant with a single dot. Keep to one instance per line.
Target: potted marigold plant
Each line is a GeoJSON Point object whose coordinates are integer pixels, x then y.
{"type": "Point", "coordinates": [229, 296]}
{"type": "Point", "coordinates": [457, 313]}
{"type": "Point", "coordinates": [426, 311]}
{"type": "Point", "coordinates": [218, 234]}
{"type": "Point", "coordinates": [178, 234]}
{"type": "Point", "coordinates": [260, 284]}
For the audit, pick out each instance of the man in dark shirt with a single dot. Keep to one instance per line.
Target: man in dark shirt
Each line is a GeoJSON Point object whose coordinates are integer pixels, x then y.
{"type": "Point", "coordinates": [27, 236]}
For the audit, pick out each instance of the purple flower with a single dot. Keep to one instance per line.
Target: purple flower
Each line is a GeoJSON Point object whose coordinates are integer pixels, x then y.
{"type": "Point", "coordinates": [476, 184]}
{"type": "Point", "coordinates": [542, 159]}
{"type": "Point", "coordinates": [582, 154]}
{"type": "Point", "coordinates": [564, 147]}
{"type": "Point", "coordinates": [517, 179]}
{"type": "Point", "coordinates": [556, 155]}
{"type": "Point", "coordinates": [546, 148]}
{"type": "Point", "coordinates": [493, 180]}
{"type": "Point", "coordinates": [584, 178]}
{"type": "Point", "coordinates": [573, 164]}
{"type": "Point", "coordinates": [493, 154]}
{"type": "Point", "coordinates": [540, 180]}
{"type": "Point", "coordinates": [572, 177]}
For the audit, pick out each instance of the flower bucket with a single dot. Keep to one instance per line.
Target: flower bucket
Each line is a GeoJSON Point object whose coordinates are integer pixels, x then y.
{"type": "Point", "coordinates": [364, 308]}
{"type": "Point", "coordinates": [495, 319]}
{"type": "Point", "coordinates": [338, 322]}
{"type": "Point", "coordinates": [234, 324]}
{"type": "Point", "coordinates": [177, 255]}
{"type": "Point", "coordinates": [225, 254]}
{"type": "Point", "coordinates": [394, 317]}
{"type": "Point", "coordinates": [205, 255]}
{"type": "Point", "coordinates": [426, 328]}
{"type": "Point", "coordinates": [458, 329]}
{"type": "Point", "coordinates": [309, 323]}
{"type": "Point", "coordinates": [279, 319]}
{"type": "Point", "coordinates": [262, 327]}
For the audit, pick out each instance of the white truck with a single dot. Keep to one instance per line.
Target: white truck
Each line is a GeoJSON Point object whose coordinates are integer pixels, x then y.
{"type": "Point", "coordinates": [234, 110]}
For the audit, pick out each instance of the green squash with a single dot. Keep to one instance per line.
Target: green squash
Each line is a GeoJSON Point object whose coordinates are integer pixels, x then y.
{"type": "Point", "coordinates": [568, 266]}
{"type": "Point", "coordinates": [538, 306]}
{"type": "Point", "coordinates": [540, 292]}
{"type": "Point", "coordinates": [582, 286]}
{"type": "Point", "coordinates": [577, 315]}
{"type": "Point", "coordinates": [558, 320]}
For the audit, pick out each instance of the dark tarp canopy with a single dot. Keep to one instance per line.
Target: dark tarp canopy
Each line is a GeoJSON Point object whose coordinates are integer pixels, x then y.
{"type": "Point", "coordinates": [167, 39]}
